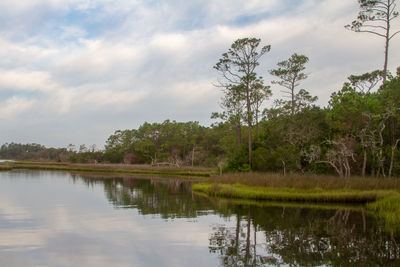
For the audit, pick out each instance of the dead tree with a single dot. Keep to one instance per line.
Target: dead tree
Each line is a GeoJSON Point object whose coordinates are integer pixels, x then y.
{"type": "Point", "coordinates": [394, 146]}
{"type": "Point", "coordinates": [338, 156]}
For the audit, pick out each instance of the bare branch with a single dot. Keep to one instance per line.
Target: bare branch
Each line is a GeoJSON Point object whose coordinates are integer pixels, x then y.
{"type": "Point", "coordinates": [393, 35]}
{"type": "Point", "coordinates": [381, 35]}
{"type": "Point", "coordinates": [375, 26]}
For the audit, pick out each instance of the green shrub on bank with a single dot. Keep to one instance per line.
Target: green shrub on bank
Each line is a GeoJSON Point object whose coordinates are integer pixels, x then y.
{"type": "Point", "coordinates": [238, 162]}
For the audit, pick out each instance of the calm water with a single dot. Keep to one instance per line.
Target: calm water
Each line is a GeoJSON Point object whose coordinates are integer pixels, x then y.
{"type": "Point", "coordinates": [60, 219]}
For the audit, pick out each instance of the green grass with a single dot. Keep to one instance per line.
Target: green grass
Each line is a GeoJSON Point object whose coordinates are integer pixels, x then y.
{"type": "Point", "coordinates": [40, 163]}
{"type": "Point", "coordinates": [144, 167]}
{"type": "Point", "coordinates": [388, 209]}
{"type": "Point", "coordinates": [103, 168]}
{"type": "Point", "coordinates": [287, 204]}
{"type": "Point", "coordinates": [290, 194]}
{"type": "Point", "coordinates": [307, 181]}
{"type": "Point", "coordinates": [5, 168]}
{"type": "Point", "coordinates": [380, 201]}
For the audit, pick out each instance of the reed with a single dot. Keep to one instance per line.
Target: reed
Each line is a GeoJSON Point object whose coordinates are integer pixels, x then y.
{"type": "Point", "coordinates": [307, 181]}
{"type": "Point", "coordinates": [382, 196]}
{"type": "Point", "coordinates": [288, 204]}
{"type": "Point", "coordinates": [317, 195]}
{"type": "Point", "coordinates": [145, 167]}
{"type": "Point", "coordinates": [388, 209]}
{"type": "Point", "coordinates": [104, 169]}
{"type": "Point", "coordinates": [5, 168]}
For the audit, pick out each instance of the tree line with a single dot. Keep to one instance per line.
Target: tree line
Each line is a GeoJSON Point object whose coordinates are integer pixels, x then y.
{"type": "Point", "coordinates": [37, 152]}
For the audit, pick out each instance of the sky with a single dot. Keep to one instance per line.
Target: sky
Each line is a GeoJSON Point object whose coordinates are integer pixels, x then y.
{"type": "Point", "coordinates": [75, 71]}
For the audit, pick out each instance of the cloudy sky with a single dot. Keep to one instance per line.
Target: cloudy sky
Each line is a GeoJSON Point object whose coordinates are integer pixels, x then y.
{"type": "Point", "coordinates": [74, 71]}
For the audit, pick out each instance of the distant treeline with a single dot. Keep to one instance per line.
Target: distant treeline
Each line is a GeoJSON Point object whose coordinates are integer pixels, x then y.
{"type": "Point", "coordinates": [39, 152]}
{"type": "Point", "coordinates": [32, 151]}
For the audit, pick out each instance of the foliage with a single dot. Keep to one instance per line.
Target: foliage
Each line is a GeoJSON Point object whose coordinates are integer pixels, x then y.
{"type": "Point", "coordinates": [241, 84]}
{"type": "Point", "coordinates": [238, 162]}
{"type": "Point", "coordinates": [174, 142]}
{"type": "Point", "coordinates": [290, 72]}
{"type": "Point", "coordinates": [32, 151]}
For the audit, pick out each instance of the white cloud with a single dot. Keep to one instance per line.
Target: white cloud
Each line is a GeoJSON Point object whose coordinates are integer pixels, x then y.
{"type": "Point", "coordinates": [26, 80]}
{"type": "Point", "coordinates": [189, 93]}
{"type": "Point", "coordinates": [12, 107]}
{"type": "Point", "coordinates": [117, 100]}
{"type": "Point", "coordinates": [171, 42]}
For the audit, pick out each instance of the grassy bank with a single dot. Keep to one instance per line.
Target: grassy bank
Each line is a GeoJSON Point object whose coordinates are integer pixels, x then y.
{"type": "Point", "coordinates": [5, 168]}
{"type": "Point", "coordinates": [299, 181]}
{"type": "Point", "coordinates": [381, 196]}
{"type": "Point", "coordinates": [111, 168]}
{"type": "Point", "coordinates": [388, 209]}
{"type": "Point", "coordinates": [291, 194]}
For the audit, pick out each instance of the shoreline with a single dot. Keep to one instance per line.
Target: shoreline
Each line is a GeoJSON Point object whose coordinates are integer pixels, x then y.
{"type": "Point", "coordinates": [383, 204]}
{"type": "Point", "coordinates": [104, 168]}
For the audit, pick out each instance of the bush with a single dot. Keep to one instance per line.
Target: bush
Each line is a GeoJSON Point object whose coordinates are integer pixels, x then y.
{"type": "Point", "coordinates": [238, 162]}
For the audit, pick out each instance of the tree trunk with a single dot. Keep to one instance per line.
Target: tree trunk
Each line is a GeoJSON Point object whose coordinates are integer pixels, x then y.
{"type": "Point", "coordinates": [364, 220]}
{"type": "Point", "coordinates": [237, 233]}
{"type": "Point", "coordinates": [247, 256]}
{"type": "Point", "coordinates": [292, 95]}
{"type": "Point", "coordinates": [256, 114]}
{"type": "Point", "coordinates": [392, 158]}
{"type": "Point", "coordinates": [364, 163]}
{"type": "Point", "coordinates": [284, 167]}
{"type": "Point", "coordinates": [348, 168]}
{"type": "Point", "coordinates": [249, 124]}
{"type": "Point", "coordinates": [386, 45]}
{"type": "Point", "coordinates": [192, 156]}
{"type": "Point", "coordinates": [239, 133]}
{"type": "Point", "coordinates": [255, 246]}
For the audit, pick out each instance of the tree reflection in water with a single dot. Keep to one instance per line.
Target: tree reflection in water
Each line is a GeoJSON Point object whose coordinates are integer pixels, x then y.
{"type": "Point", "coordinates": [170, 198]}
{"type": "Point", "coordinates": [303, 237]}
{"type": "Point", "coordinates": [264, 236]}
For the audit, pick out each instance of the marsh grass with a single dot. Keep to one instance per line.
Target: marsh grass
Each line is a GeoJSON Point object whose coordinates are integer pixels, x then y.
{"type": "Point", "coordinates": [111, 168]}
{"type": "Point", "coordinates": [388, 209]}
{"type": "Point", "coordinates": [146, 167]}
{"type": "Point", "coordinates": [52, 163]}
{"type": "Point", "coordinates": [382, 196]}
{"type": "Point", "coordinates": [289, 204]}
{"type": "Point", "coordinates": [291, 194]}
{"type": "Point", "coordinates": [5, 167]}
{"type": "Point", "coordinates": [307, 181]}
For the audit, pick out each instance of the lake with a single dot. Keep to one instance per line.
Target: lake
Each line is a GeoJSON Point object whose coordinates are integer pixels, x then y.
{"type": "Point", "coordinates": [63, 219]}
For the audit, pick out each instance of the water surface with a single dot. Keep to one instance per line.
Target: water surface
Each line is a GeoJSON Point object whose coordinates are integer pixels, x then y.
{"type": "Point", "coordinates": [62, 219]}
